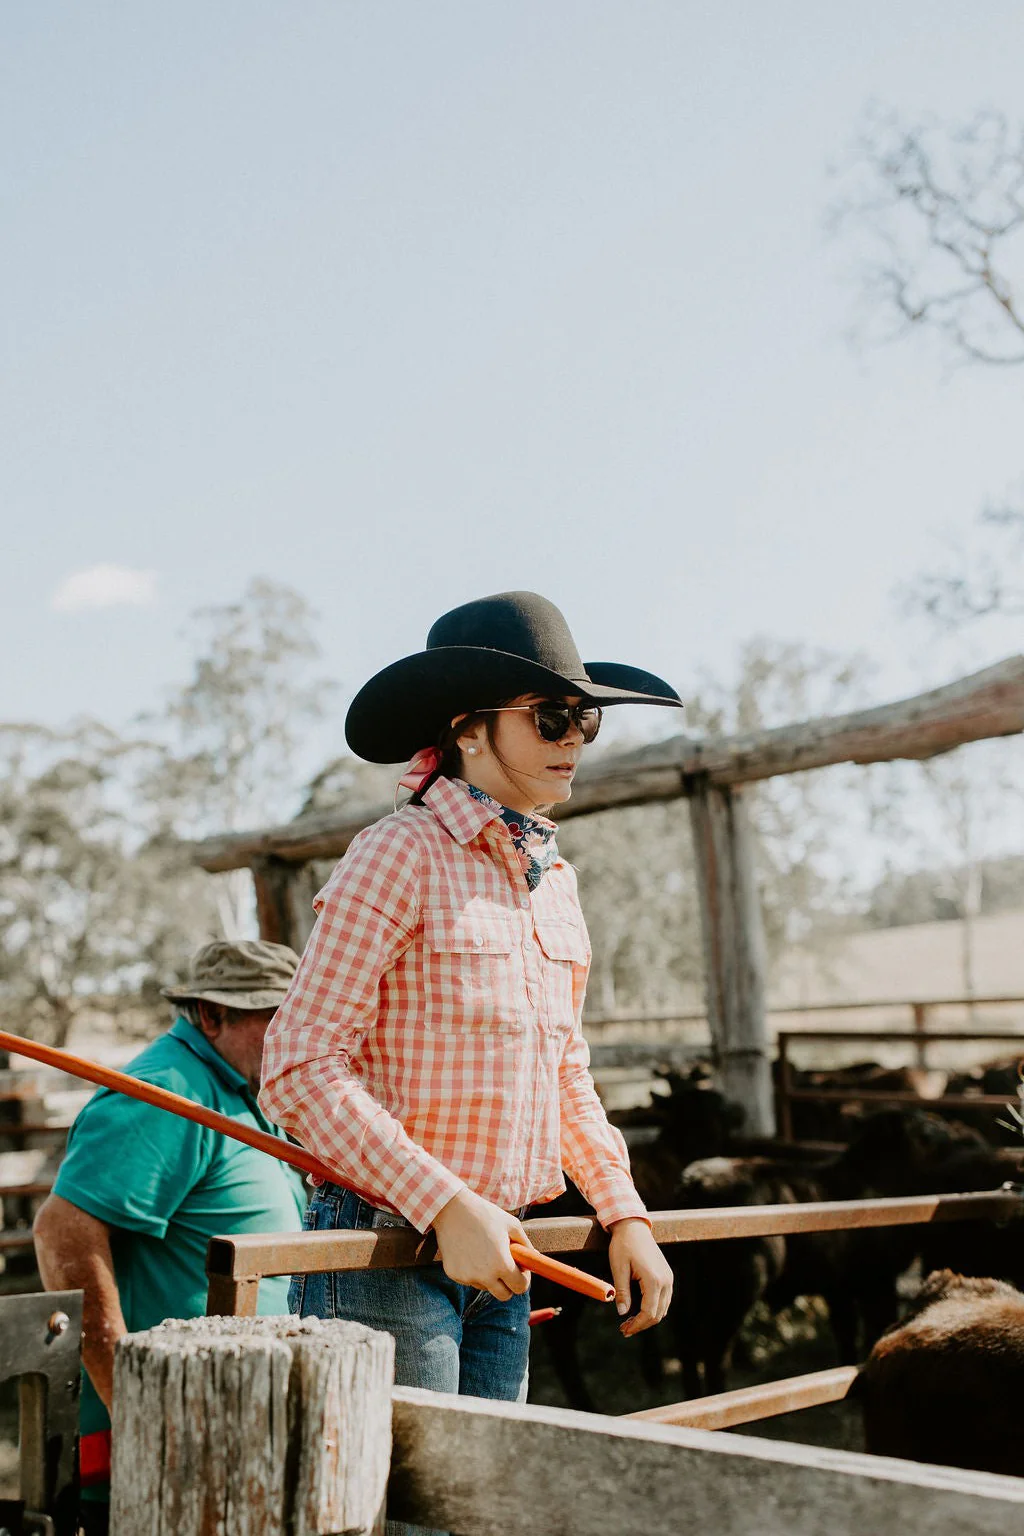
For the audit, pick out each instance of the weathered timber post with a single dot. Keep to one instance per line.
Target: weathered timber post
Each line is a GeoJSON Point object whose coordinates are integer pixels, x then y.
{"type": "Point", "coordinates": [284, 900]}
{"type": "Point", "coordinates": [266, 1426]}
{"type": "Point", "coordinates": [920, 1011]}
{"type": "Point", "coordinates": [734, 949]}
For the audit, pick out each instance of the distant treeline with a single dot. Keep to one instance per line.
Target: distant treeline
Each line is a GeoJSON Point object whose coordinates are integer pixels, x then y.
{"type": "Point", "coordinates": [932, 896]}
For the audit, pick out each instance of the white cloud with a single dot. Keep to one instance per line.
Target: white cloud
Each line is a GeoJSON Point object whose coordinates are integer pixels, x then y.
{"type": "Point", "coordinates": [104, 586]}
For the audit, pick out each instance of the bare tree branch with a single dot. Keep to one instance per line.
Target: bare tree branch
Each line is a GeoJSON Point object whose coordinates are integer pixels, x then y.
{"type": "Point", "coordinates": [939, 212]}
{"type": "Point", "coordinates": [984, 579]}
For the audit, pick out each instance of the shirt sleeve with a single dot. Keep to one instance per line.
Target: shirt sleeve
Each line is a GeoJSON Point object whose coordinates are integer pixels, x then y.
{"type": "Point", "coordinates": [594, 1154]}
{"type": "Point", "coordinates": [369, 913]}
{"type": "Point", "coordinates": [130, 1164]}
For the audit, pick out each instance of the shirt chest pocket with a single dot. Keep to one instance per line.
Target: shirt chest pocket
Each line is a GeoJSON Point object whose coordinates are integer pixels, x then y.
{"type": "Point", "coordinates": [473, 972]}
{"type": "Point", "coordinates": [564, 949]}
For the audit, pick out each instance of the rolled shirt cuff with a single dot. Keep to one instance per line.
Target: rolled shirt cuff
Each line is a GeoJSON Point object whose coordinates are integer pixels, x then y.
{"type": "Point", "coordinates": [618, 1204]}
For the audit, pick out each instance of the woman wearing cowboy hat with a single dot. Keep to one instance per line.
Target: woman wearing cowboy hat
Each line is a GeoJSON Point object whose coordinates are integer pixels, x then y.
{"type": "Point", "coordinates": [430, 1048]}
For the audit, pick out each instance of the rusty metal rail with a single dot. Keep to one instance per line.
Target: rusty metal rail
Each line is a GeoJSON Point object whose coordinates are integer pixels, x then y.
{"type": "Point", "coordinates": [235, 1265]}
{"type": "Point", "coordinates": [16, 1240]}
{"type": "Point", "coordinates": [746, 1404]}
{"type": "Point", "coordinates": [786, 1095]}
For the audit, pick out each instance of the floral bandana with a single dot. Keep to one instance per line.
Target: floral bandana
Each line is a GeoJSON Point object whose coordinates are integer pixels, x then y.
{"type": "Point", "coordinates": [533, 836]}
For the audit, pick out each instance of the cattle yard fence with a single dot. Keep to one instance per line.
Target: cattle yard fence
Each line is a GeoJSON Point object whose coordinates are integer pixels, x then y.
{"type": "Point", "coordinates": [483, 1468]}
{"type": "Point", "coordinates": [235, 1266]}
{"type": "Point", "coordinates": [280, 1427]}
{"type": "Point", "coordinates": [787, 1094]}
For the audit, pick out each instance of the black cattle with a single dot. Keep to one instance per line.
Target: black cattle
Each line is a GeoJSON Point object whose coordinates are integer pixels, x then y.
{"type": "Point", "coordinates": [693, 1120]}
{"type": "Point", "coordinates": [1001, 1079]}
{"type": "Point", "coordinates": [986, 1249]}
{"type": "Point", "coordinates": [835, 1120]}
{"type": "Point", "coordinates": [895, 1152]}
{"type": "Point", "coordinates": [947, 1385]}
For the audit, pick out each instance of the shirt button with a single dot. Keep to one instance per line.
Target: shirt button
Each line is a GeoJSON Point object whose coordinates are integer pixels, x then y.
{"type": "Point", "coordinates": [478, 939]}
{"type": "Point", "coordinates": [525, 903]}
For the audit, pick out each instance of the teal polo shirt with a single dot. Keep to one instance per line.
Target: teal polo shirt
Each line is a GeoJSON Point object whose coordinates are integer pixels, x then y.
{"type": "Point", "coordinates": [166, 1186]}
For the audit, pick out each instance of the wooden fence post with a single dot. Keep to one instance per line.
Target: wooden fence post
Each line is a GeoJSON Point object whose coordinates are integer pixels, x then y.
{"type": "Point", "coordinates": [734, 949]}
{"type": "Point", "coordinates": [284, 900]}
{"type": "Point", "coordinates": [920, 1011]}
{"type": "Point", "coordinates": [265, 1426]}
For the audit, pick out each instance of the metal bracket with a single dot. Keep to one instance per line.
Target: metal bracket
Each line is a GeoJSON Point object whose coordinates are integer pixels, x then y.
{"type": "Point", "coordinates": [1011, 1187]}
{"type": "Point", "coordinates": [41, 1348]}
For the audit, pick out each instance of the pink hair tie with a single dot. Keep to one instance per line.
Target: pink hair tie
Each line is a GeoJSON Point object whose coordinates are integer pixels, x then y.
{"type": "Point", "coordinates": [421, 766]}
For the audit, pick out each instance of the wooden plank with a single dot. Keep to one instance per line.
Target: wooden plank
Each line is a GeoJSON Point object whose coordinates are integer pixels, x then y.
{"type": "Point", "coordinates": [500, 1469]}
{"type": "Point", "coordinates": [19, 1130]}
{"type": "Point", "coordinates": [975, 708]}
{"type": "Point", "coordinates": [745, 1405]}
{"type": "Point", "coordinates": [986, 704]}
{"type": "Point", "coordinates": [734, 951]}
{"type": "Point", "coordinates": [15, 1242]}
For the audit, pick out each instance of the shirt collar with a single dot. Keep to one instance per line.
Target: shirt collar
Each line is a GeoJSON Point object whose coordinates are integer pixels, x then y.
{"type": "Point", "coordinates": [198, 1044]}
{"type": "Point", "coordinates": [457, 811]}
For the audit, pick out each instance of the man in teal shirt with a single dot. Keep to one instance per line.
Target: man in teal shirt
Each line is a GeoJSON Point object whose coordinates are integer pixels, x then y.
{"type": "Point", "coordinates": [141, 1192]}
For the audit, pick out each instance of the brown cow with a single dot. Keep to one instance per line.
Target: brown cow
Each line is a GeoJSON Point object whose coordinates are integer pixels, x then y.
{"type": "Point", "coordinates": [947, 1386]}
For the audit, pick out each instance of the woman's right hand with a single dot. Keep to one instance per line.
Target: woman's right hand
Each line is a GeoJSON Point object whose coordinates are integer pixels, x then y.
{"type": "Point", "coordinates": [473, 1239]}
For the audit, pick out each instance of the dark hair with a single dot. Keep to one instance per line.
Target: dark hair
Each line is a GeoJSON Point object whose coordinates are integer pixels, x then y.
{"type": "Point", "coordinates": [447, 742]}
{"type": "Point", "coordinates": [448, 745]}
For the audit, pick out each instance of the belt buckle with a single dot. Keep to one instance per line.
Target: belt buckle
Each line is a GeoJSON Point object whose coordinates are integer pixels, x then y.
{"type": "Point", "coordinates": [387, 1219]}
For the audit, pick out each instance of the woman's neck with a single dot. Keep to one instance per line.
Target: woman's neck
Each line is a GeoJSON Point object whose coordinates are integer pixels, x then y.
{"type": "Point", "coordinates": [505, 794]}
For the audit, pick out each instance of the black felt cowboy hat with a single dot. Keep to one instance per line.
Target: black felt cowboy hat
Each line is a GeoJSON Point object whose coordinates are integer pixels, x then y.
{"type": "Point", "coordinates": [478, 655]}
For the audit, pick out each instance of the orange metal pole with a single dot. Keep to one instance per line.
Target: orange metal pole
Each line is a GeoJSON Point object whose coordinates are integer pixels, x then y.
{"type": "Point", "coordinates": [274, 1146]}
{"type": "Point", "coordinates": [162, 1098]}
{"type": "Point", "coordinates": [544, 1315]}
{"type": "Point", "coordinates": [563, 1274]}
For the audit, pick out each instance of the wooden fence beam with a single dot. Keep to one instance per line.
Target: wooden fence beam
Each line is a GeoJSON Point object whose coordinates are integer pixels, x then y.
{"type": "Point", "coordinates": [734, 951]}
{"type": "Point", "coordinates": [745, 1405]}
{"type": "Point", "coordinates": [986, 704]}
{"type": "Point", "coordinates": [500, 1469]}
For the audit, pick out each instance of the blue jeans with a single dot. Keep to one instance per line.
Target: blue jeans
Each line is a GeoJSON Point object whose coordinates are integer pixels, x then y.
{"type": "Point", "coordinates": [448, 1337]}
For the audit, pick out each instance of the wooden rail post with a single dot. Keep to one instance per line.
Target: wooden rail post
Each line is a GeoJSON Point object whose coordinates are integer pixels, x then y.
{"type": "Point", "coordinates": [734, 949]}
{"type": "Point", "coordinates": [266, 1426]}
{"type": "Point", "coordinates": [784, 1089]}
{"type": "Point", "coordinates": [284, 900]}
{"type": "Point", "coordinates": [920, 1011]}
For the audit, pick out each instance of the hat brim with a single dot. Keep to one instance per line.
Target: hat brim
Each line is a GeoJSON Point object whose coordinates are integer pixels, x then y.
{"type": "Point", "coordinates": [407, 705]}
{"type": "Point", "coordinates": [268, 997]}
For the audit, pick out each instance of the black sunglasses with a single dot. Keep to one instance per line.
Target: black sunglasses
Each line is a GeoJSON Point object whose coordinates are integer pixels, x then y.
{"type": "Point", "coordinates": [553, 720]}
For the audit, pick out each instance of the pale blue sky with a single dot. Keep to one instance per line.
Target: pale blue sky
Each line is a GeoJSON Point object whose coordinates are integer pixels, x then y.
{"type": "Point", "coordinates": [404, 303]}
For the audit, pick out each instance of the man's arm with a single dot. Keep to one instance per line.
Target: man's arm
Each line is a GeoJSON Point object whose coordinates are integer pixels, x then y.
{"type": "Point", "coordinates": [73, 1254]}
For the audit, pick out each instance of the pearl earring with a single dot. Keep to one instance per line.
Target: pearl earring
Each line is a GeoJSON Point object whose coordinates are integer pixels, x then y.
{"type": "Point", "coordinates": [472, 751]}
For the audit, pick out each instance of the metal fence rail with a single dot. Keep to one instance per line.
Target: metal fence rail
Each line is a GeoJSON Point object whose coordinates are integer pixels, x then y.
{"type": "Point", "coordinates": [235, 1266]}
{"type": "Point", "coordinates": [786, 1095]}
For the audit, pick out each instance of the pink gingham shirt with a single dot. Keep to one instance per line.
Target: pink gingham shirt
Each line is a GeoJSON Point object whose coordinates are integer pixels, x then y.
{"type": "Point", "coordinates": [431, 1037]}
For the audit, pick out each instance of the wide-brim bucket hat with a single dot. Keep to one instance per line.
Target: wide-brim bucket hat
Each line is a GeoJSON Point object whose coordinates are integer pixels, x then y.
{"type": "Point", "coordinates": [476, 656]}
{"type": "Point", "coordinates": [245, 974]}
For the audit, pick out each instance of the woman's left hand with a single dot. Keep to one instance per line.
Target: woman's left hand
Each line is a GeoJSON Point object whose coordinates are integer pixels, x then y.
{"type": "Point", "coordinates": [634, 1255]}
